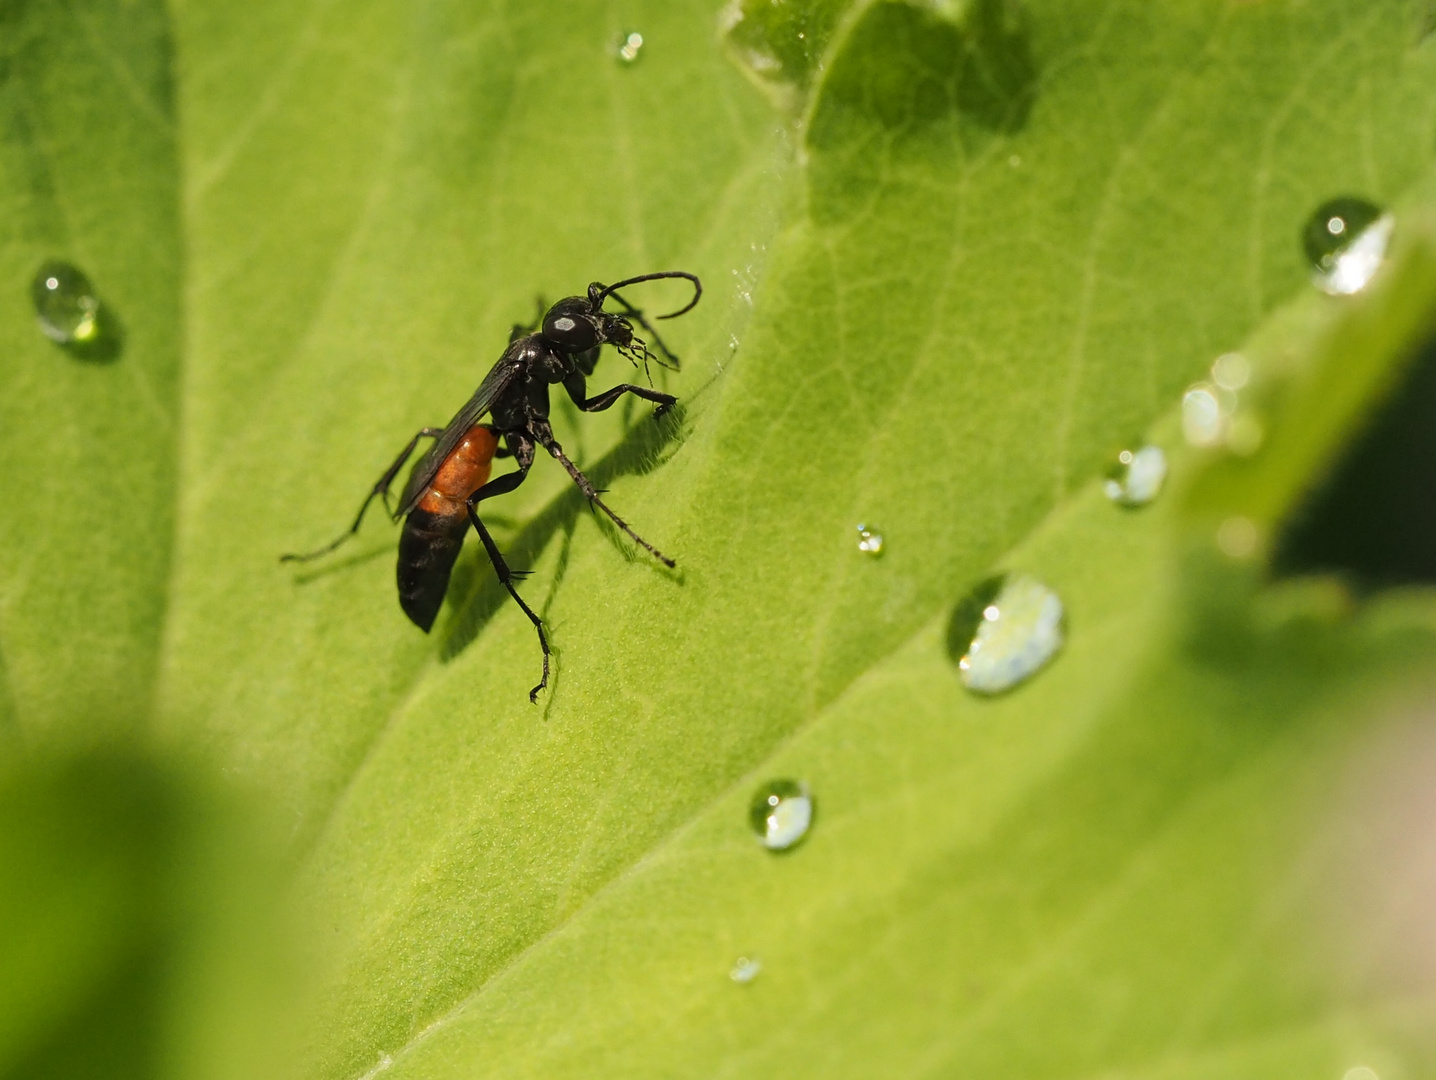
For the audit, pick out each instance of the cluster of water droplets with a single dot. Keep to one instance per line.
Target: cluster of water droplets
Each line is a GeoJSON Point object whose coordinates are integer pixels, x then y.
{"type": "Point", "coordinates": [870, 540]}
{"type": "Point", "coordinates": [628, 46]}
{"type": "Point", "coordinates": [1213, 413]}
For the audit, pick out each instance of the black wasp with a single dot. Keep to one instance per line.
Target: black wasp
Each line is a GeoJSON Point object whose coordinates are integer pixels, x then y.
{"type": "Point", "coordinates": [443, 494]}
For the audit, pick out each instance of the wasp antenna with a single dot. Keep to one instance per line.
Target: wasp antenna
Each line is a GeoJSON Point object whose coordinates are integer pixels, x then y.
{"type": "Point", "coordinates": [605, 290]}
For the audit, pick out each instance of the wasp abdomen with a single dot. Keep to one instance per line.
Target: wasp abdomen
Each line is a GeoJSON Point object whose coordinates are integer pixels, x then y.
{"type": "Point", "coordinates": [434, 531]}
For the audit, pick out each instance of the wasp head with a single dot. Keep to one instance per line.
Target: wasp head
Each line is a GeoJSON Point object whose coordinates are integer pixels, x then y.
{"type": "Point", "coordinates": [574, 325]}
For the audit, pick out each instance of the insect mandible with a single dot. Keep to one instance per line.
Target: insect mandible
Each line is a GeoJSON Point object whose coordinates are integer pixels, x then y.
{"type": "Point", "coordinates": [442, 497]}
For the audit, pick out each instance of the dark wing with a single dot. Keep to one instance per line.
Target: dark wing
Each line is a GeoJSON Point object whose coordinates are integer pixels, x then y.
{"type": "Point", "coordinates": [495, 383]}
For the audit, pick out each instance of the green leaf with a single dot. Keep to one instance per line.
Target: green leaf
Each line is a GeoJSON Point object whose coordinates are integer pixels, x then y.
{"type": "Point", "coordinates": [955, 256]}
{"type": "Point", "coordinates": [88, 175]}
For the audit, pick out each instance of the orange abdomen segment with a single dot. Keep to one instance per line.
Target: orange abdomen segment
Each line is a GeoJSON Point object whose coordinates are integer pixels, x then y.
{"type": "Point", "coordinates": [434, 530]}
{"type": "Point", "coordinates": [463, 472]}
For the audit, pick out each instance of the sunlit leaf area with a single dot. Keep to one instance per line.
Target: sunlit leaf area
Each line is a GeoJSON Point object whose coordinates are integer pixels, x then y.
{"type": "Point", "coordinates": [1045, 682]}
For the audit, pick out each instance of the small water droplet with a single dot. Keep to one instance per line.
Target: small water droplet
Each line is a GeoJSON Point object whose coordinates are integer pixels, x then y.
{"type": "Point", "coordinates": [1238, 537]}
{"type": "Point", "coordinates": [1345, 241]}
{"type": "Point", "coordinates": [629, 46]}
{"type": "Point", "coordinates": [1231, 371]}
{"type": "Point", "coordinates": [1203, 418]}
{"type": "Point", "coordinates": [745, 969]}
{"type": "Point", "coordinates": [1015, 161]}
{"type": "Point", "coordinates": [65, 304]}
{"type": "Point", "coordinates": [1007, 629]}
{"type": "Point", "coordinates": [870, 541]}
{"type": "Point", "coordinates": [1137, 477]}
{"type": "Point", "coordinates": [781, 813]}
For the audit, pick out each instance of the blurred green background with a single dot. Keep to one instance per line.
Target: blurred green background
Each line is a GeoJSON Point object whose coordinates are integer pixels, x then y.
{"type": "Point", "coordinates": [958, 255]}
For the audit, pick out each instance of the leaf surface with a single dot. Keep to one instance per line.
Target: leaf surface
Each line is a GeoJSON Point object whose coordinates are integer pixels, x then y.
{"type": "Point", "coordinates": [955, 256]}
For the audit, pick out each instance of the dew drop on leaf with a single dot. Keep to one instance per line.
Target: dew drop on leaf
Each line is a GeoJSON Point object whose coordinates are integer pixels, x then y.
{"type": "Point", "coordinates": [781, 813]}
{"type": "Point", "coordinates": [629, 46]}
{"type": "Point", "coordinates": [1345, 241]}
{"type": "Point", "coordinates": [65, 304]}
{"type": "Point", "coordinates": [1203, 418]}
{"type": "Point", "coordinates": [745, 969]}
{"type": "Point", "coordinates": [1004, 632]}
{"type": "Point", "coordinates": [870, 541]}
{"type": "Point", "coordinates": [1136, 478]}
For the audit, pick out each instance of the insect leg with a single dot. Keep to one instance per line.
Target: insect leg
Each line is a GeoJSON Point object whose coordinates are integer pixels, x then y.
{"type": "Point", "coordinates": [523, 451]}
{"type": "Point", "coordinates": [591, 493]}
{"type": "Point", "coordinates": [381, 488]}
{"type": "Point", "coordinates": [578, 391]}
{"type": "Point", "coordinates": [637, 316]}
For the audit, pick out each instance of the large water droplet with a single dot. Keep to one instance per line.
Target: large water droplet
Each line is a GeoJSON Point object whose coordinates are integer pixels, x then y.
{"type": "Point", "coordinates": [870, 541]}
{"type": "Point", "coordinates": [629, 46]}
{"type": "Point", "coordinates": [1345, 241]}
{"type": "Point", "coordinates": [1360, 1072]}
{"type": "Point", "coordinates": [1006, 630]}
{"type": "Point", "coordinates": [65, 304]}
{"type": "Point", "coordinates": [1137, 477]}
{"type": "Point", "coordinates": [745, 969]}
{"type": "Point", "coordinates": [782, 813]}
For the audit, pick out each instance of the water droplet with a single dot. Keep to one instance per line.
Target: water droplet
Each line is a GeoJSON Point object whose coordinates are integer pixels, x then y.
{"type": "Point", "coordinates": [1231, 371]}
{"type": "Point", "coordinates": [1238, 537]}
{"type": "Point", "coordinates": [745, 969]}
{"type": "Point", "coordinates": [781, 813]}
{"type": "Point", "coordinates": [1345, 241]}
{"type": "Point", "coordinates": [65, 304]}
{"type": "Point", "coordinates": [1360, 1072]}
{"type": "Point", "coordinates": [629, 46]}
{"type": "Point", "coordinates": [1006, 630]}
{"type": "Point", "coordinates": [870, 541]}
{"type": "Point", "coordinates": [1203, 418]}
{"type": "Point", "coordinates": [1015, 161]}
{"type": "Point", "coordinates": [1137, 477]}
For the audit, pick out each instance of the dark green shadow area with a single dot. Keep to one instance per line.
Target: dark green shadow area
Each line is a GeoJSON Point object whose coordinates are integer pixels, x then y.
{"type": "Point", "coordinates": [1373, 519]}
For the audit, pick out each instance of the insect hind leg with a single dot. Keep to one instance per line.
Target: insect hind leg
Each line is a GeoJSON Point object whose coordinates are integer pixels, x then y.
{"type": "Point", "coordinates": [523, 451]}
{"type": "Point", "coordinates": [380, 488]}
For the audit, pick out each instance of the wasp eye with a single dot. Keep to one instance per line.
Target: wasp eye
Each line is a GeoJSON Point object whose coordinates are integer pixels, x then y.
{"type": "Point", "coordinates": [569, 331]}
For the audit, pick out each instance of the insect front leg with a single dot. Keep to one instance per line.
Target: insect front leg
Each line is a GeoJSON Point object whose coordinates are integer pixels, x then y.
{"type": "Point", "coordinates": [577, 389]}
{"type": "Point", "coordinates": [523, 451]}
{"type": "Point", "coordinates": [380, 488]}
